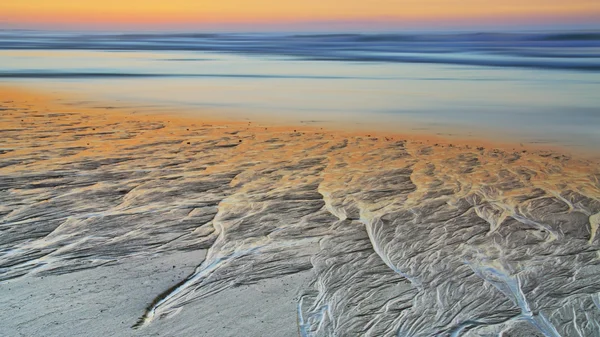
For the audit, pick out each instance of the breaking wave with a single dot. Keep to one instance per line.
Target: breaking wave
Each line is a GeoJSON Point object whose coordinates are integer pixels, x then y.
{"type": "Point", "coordinates": [562, 50]}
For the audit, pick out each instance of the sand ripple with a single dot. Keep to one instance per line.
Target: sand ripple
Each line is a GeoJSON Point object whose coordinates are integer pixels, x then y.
{"type": "Point", "coordinates": [404, 236]}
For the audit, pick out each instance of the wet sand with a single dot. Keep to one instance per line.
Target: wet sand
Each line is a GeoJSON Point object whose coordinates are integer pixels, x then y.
{"type": "Point", "coordinates": [346, 233]}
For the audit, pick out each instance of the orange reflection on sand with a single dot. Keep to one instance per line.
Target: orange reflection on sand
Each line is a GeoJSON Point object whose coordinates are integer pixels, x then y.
{"type": "Point", "coordinates": [103, 130]}
{"type": "Point", "coordinates": [46, 132]}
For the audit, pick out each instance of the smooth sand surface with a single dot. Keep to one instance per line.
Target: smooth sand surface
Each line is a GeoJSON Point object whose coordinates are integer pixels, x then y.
{"type": "Point", "coordinates": [107, 300]}
{"type": "Point", "coordinates": [102, 301]}
{"type": "Point", "coordinates": [120, 223]}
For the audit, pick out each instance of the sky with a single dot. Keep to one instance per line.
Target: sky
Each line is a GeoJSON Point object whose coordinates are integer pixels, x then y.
{"type": "Point", "coordinates": [244, 14]}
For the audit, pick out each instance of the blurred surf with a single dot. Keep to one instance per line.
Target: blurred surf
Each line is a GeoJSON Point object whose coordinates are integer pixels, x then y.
{"type": "Point", "coordinates": [566, 50]}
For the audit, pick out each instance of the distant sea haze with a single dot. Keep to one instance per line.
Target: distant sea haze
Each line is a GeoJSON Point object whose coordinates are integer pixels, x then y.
{"type": "Point", "coordinates": [548, 50]}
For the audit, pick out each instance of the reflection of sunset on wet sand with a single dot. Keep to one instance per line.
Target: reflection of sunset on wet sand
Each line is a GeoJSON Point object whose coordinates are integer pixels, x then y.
{"type": "Point", "coordinates": [352, 233]}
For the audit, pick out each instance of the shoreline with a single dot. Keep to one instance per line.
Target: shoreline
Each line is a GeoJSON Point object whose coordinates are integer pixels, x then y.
{"type": "Point", "coordinates": [180, 117]}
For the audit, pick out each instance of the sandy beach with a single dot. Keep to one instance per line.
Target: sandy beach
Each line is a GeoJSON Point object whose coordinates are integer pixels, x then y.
{"type": "Point", "coordinates": [119, 222]}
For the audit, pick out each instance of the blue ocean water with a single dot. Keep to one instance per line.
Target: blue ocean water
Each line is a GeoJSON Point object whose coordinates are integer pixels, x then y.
{"type": "Point", "coordinates": [537, 87]}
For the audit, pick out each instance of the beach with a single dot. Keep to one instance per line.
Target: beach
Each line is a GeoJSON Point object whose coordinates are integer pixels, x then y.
{"type": "Point", "coordinates": [118, 221]}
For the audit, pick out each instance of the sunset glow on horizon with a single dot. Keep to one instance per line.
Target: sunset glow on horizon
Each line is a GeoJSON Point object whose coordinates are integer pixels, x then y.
{"type": "Point", "coordinates": [147, 13]}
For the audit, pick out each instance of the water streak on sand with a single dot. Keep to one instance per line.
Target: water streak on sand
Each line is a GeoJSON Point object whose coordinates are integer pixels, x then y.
{"type": "Point", "coordinates": [404, 236]}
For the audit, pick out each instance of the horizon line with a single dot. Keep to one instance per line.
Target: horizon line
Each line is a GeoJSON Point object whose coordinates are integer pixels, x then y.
{"type": "Point", "coordinates": [591, 21]}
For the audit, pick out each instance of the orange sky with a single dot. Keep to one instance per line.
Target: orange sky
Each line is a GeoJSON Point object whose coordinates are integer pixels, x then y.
{"type": "Point", "coordinates": [232, 11]}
